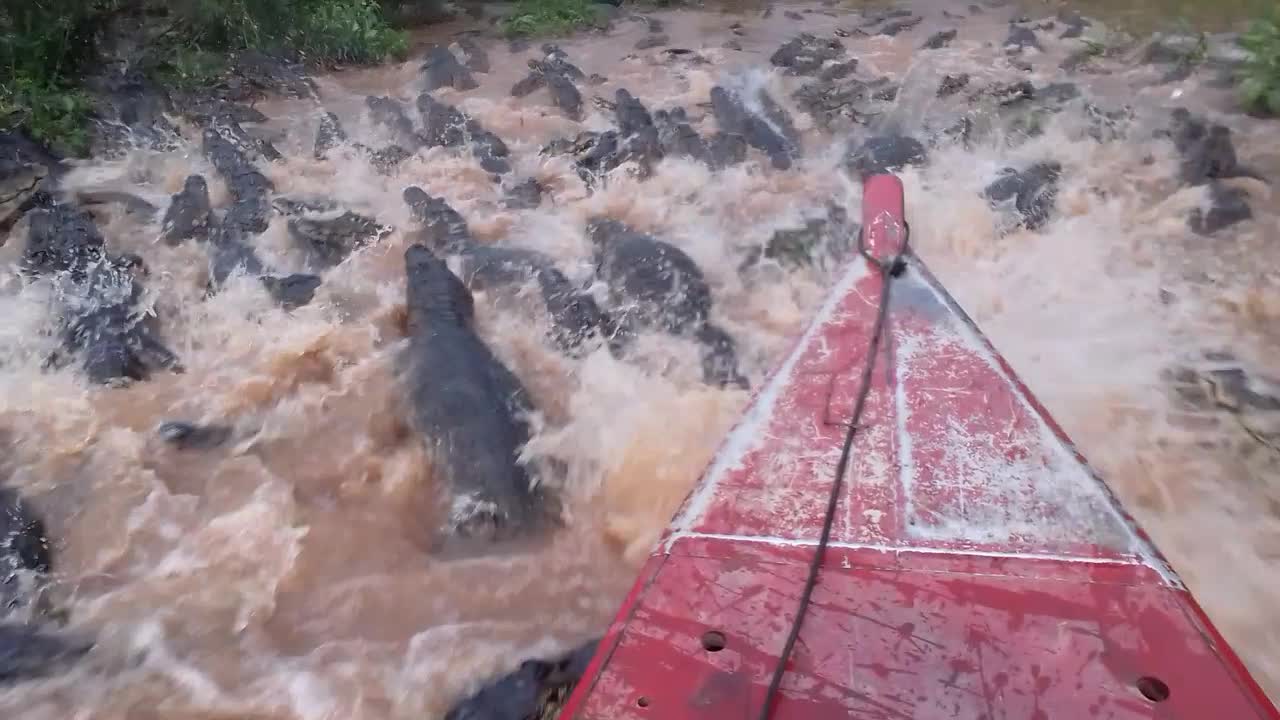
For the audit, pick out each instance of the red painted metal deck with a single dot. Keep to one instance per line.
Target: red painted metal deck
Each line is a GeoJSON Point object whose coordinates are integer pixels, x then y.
{"type": "Point", "coordinates": [977, 568]}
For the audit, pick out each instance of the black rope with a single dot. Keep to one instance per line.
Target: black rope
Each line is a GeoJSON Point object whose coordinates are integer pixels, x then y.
{"type": "Point", "coordinates": [888, 269]}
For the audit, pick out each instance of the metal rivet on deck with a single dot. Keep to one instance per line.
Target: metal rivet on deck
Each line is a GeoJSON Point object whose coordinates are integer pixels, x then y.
{"type": "Point", "coordinates": [1153, 689]}
{"type": "Point", "coordinates": [713, 641]}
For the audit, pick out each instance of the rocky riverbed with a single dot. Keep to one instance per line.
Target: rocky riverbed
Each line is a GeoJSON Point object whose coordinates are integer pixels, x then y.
{"type": "Point", "coordinates": [219, 395]}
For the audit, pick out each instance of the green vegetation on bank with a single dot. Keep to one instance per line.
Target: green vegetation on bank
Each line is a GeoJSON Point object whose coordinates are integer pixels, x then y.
{"type": "Point", "coordinates": [548, 17]}
{"type": "Point", "coordinates": [1260, 77]}
{"type": "Point", "coordinates": [47, 45]}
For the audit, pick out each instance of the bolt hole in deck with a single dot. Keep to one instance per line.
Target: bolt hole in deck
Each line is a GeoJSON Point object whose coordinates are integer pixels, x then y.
{"type": "Point", "coordinates": [713, 641]}
{"type": "Point", "coordinates": [1153, 689]}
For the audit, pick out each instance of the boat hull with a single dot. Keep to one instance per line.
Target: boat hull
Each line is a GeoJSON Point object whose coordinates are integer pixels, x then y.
{"type": "Point", "coordinates": [976, 567]}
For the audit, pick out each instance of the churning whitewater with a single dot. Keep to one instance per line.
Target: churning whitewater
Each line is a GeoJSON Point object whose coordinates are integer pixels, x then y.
{"type": "Point", "coordinates": [217, 361]}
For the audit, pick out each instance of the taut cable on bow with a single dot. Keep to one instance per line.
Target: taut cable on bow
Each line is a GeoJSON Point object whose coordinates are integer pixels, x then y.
{"type": "Point", "coordinates": [888, 268]}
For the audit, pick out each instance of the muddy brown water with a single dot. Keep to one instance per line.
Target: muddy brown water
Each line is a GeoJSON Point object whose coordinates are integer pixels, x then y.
{"type": "Point", "coordinates": [286, 576]}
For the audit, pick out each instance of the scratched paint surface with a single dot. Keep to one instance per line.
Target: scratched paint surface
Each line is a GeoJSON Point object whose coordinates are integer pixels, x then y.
{"type": "Point", "coordinates": [949, 453]}
{"type": "Point", "coordinates": [902, 644]}
{"type": "Point", "coordinates": [978, 570]}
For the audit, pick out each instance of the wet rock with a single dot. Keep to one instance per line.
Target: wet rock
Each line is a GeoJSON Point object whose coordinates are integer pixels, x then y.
{"type": "Point", "coordinates": [1177, 73]}
{"type": "Point", "coordinates": [101, 324]}
{"type": "Point", "coordinates": [976, 10]}
{"type": "Point", "coordinates": [1107, 125]}
{"type": "Point", "coordinates": [392, 115]}
{"type": "Point", "coordinates": [229, 253]}
{"type": "Point", "coordinates": [778, 117]}
{"type": "Point", "coordinates": [733, 117]}
{"type": "Point", "coordinates": [1078, 60]}
{"type": "Point", "coordinates": [884, 91]}
{"type": "Point", "coordinates": [474, 57]}
{"type": "Point", "coordinates": [327, 241]}
{"type": "Point", "coordinates": [24, 551]}
{"type": "Point", "coordinates": [557, 74]}
{"type": "Point", "coordinates": [564, 95]}
{"type": "Point", "coordinates": [652, 41]}
{"type": "Point", "coordinates": [679, 139]}
{"type": "Point", "coordinates": [792, 15]}
{"type": "Point", "coordinates": [1074, 24]}
{"type": "Point", "coordinates": [596, 153]}
{"type": "Point", "coordinates": [940, 39]}
{"type": "Point", "coordinates": [831, 104]}
{"type": "Point", "coordinates": [726, 150]}
{"type": "Point", "coordinates": [875, 17]}
{"type": "Point", "coordinates": [806, 54]}
{"type": "Point", "coordinates": [61, 239]}
{"type": "Point", "coordinates": [253, 148]}
{"type": "Point", "coordinates": [575, 317]}
{"type": "Point", "coordinates": [474, 424]}
{"type": "Point", "coordinates": [524, 196]}
{"type": "Point", "coordinates": [897, 27]}
{"type": "Point", "coordinates": [272, 74]}
{"type": "Point", "coordinates": [444, 230]}
{"type": "Point", "coordinates": [1059, 92]}
{"type": "Point", "coordinates": [443, 125]}
{"type": "Point", "coordinates": [189, 214]}
{"type": "Point", "coordinates": [446, 126]}
{"type": "Point", "coordinates": [1173, 48]}
{"type": "Point", "coordinates": [637, 131]}
{"type": "Point", "coordinates": [818, 240]}
{"type": "Point", "coordinates": [1021, 38]}
{"type": "Point", "coordinates": [528, 84]}
{"type": "Point", "coordinates": [29, 652]}
{"type": "Point", "coordinates": [250, 215]}
{"type": "Point", "coordinates": [249, 188]}
{"type": "Point", "coordinates": [441, 69]}
{"type": "Point", "coordinates": [386, 159]}
{"type": "Point", "coordinates": [19, 186]}
{"type": "Point", "coordinates": [28, 172]}
{"type": "Point", "coordinates": [885, 153]}
{"type": "Point", "coordinates": [532, 691]}
{"type": "Point", "coordinates": [329, 135]}
{"type": "Point", "coordinates": [291, 291]}
{"type": "Point", "coordinates": [1227, 206]}
{"type": "Point", "coordinates": [838, 71]}
{"type": "Point", "coordinates": [952, 84]}
{"type": "Point", "coordinates": [556, 60]}
{"type": "Point", "coordinates": [658, 283]}
{"type": "Point", "coordinates": [720, 358]}
{"type": "Point", "coordinates": [203, 110]}
{"type": "Point", "coordinates": [130, 110]}
{"type": "Point", "coordinates": [1207, 150]}
{"type": "Point", "coordinates": [190, 436]}
{"type": "Point", "coordinates": [1032, 191]}
{"type": "Point", "coordinates": [130, 203]}
{"type": "Point", "coordinates": [293, 205]}
{"type": "Point", "coordinates": [1006, 94]}
{"type": "Point", "coordinates": [28, 649]}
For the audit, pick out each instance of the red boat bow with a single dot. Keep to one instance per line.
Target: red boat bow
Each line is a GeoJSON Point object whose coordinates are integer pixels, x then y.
{"type": "Point", "coordinates": [976, 568]}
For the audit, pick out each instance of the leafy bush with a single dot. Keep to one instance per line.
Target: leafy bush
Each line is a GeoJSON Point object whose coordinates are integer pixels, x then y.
{"type": "Point", "coordinates": [46, 44]}
{"type": "Point", "coordinates": [51, 113]}
{"type": "Point", "coordinates": [548, 17]}
{"type": "Point", "coordinates": [43, 46]}
{"type": "Point", "coordinates": [322, 30]}
{"type": "Point", "coordinates": [1260, 76]}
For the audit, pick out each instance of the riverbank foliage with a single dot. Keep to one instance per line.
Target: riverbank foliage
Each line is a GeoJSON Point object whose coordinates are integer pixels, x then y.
{"type": "Point", "coordinates": [548, 17]}
{"type": "Point", "coordinates": [1260, 76]}
{"type": "Point", "coordinates": [46, 46]}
